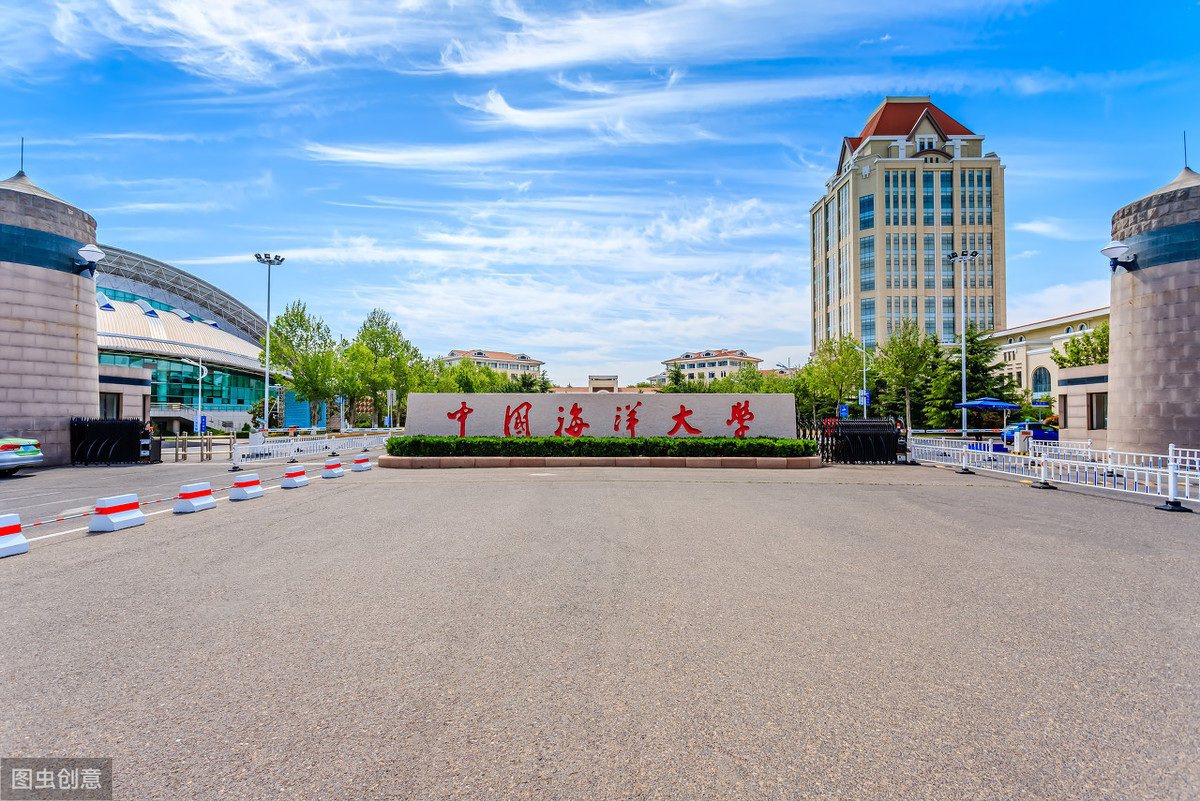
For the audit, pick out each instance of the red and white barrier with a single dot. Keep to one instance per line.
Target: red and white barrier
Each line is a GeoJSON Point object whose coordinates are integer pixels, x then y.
{"type": "Point", "coordinates": [195, 498]}
{"type": "Point", "coordinates": [246, 488]}
{"type": "Point", "coordinates": [12, 541]}
{"type": "Point", "coordinates": [361, 464]}
{"type": "Point", "coordinates": [293, 478]}
{"type": "Point", "coordinates": [333, 469]}
{"type": "Point", "coordinates": [117, 512]}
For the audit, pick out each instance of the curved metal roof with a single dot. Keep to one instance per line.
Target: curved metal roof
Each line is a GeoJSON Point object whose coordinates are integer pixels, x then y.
{"type": "Point", "coordinates": [128, 329]}
{"type": "Point", "coordinates": [182, 289]}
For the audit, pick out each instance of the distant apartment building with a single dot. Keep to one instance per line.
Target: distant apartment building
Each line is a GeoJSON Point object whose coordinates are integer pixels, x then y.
{"type": "Point", "coordinates": [707, 365]}
{"type": "Point", "coordinates": [514, 365]}
{"type": "Point", "coordinates": [913, 187]}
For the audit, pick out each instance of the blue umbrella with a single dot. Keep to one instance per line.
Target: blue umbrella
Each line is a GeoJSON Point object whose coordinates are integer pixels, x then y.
{"type": "Point", "coordinates": [987, 403]}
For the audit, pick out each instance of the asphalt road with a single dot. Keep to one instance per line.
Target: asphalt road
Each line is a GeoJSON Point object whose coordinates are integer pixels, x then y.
{"type": "Point", "coordinates": [845, 633]}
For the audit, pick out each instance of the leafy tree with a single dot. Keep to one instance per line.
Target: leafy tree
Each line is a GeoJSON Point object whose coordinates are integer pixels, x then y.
{"type": "Point", "coordinates": [985, 378]}
{"type": "Point", "coordinates": [748, 378]}
{"type": "Point", "coordinates": [1085, 349]}
{"type": "Point", "coordinates": [835, 367]}
{"type": "Point", "coordinates": [675, 376]}
{"type": "Point", "coordinates": [302, 349]}
{"type": "Point", "coordinates": [905, 363]}
{"type": "Point", "coordinates": [396, 362]}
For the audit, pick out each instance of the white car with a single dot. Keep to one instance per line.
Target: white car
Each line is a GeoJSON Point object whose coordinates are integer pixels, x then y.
{"type": "Point", "coordinates": [17, 452]}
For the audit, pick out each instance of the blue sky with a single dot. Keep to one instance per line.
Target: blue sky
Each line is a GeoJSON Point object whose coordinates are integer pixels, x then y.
{"type": "Point", "coordinates": [601, 185]}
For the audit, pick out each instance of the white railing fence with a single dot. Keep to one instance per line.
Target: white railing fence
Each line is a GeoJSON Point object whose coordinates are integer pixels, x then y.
{"type": "Point", "coordinates": [1173, 478]}
{"type": "Point", "coordinates": [293, 447]}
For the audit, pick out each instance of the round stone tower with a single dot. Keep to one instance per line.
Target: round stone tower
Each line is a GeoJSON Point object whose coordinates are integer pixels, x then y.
{"type": "Point", "coordinates": [1154, 346]}
{"type": "Point", "coordinates": [49, 369]}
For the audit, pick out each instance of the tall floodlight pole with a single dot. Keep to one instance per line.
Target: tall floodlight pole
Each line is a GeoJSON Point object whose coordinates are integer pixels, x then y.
{"type": "Point", "coordinates": [201, 372]}
{"type": "Point", "coordinates": [963, 259]}
{"type": "Point", "coordinates": [270, 261]}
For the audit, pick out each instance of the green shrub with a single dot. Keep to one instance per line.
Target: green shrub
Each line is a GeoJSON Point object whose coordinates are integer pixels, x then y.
{"type": "Point", "coordinates": [598, 446]}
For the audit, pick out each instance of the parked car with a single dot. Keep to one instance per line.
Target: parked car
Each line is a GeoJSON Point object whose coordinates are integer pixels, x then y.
{"type": "Point", "coordinates": [1043, 431]}
{"type": "Point", "coordinates": [16, 452]}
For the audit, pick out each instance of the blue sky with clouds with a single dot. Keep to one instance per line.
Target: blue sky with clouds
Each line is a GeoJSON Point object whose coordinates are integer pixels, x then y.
{"type": "Point", "coordinates": [602, 185]}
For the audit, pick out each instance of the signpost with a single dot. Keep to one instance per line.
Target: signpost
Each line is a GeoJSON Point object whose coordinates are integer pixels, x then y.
{"type": "Point", "coordinates": [1041, 405]}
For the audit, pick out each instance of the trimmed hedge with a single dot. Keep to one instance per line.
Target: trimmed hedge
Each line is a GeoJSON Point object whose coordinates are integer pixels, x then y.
{"type": "Point", "coordinates": [598, 446]}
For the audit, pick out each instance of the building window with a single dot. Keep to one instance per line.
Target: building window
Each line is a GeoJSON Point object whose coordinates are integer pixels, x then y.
{"type": "Point", "coordinates": [1062, 411]}
{"type": "Point", "coordinates": [1041, 382]}
{"type": "Point", "coordinates": [110, 405]}
{"type": "Point", "coordinates": [1069, 329]}
{"type": "Point", "coordinates": [930, 316]}
{"type": "Point", "coordinates": [1097, 410]}
{"type": "Point", "coordinates": [930, 260]}
{"type": "Point", "coordinates": [947, 265]}
{"type": "Point", "coordinates": [1019, 384]}
{"type": "Point", "coordinates": [866, 263]}
{"type": "Point", "coordinates": [948, 319]}
{"type": "Point", "coordinates": [866, 212]}
{"type": "Point", "coordinates": [867, 310]}
{"type": "Point", "coordinates": [927, 197]}
{"type": "Point", "coordinates": [946, 182]}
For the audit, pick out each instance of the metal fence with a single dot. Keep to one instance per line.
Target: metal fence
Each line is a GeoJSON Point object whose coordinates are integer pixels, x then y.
{"type": "Point", "coordinates": [293, 447]}
{"type": "Point", "coordinates": [853, 441]}
{"type": "Point", "coordinates": [1172, 478]}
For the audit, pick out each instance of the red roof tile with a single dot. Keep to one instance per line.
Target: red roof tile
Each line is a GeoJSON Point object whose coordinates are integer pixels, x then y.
{"type": "Point", "coordinates": [896, 117]}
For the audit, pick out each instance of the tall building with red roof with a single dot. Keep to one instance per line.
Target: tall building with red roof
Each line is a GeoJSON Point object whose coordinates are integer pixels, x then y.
{"type": "Point", "coordinates": [913, 187]}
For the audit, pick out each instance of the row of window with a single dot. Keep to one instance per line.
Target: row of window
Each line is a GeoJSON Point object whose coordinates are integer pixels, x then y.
{"type": "Point", "coordinates": [901, 257]}
{"type": "Point", "coordinates": [175, 382]}
{"type": "Point", "coordinates": [900, 203]}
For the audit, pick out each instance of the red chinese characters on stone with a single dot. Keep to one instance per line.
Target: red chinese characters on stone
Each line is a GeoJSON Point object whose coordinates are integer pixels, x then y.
{"type": "Point", "coordinates": [576, 426]}
{"type": "Point", "coordinates": [631, 419]}
{"type": "Point", "coordinates": [740, 414]}
{"type": "Point", "coordinates": [461, 415]}
{"type": "Point", "coordinates": [516, 421]}
{"type": "Point", "coordinates": [681, 422]}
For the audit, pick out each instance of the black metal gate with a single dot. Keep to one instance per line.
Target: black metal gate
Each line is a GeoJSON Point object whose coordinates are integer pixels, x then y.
{"type": "Point", "coordinates": [840, 439]}
{"type": "Point", "coordinates": [95, 441]}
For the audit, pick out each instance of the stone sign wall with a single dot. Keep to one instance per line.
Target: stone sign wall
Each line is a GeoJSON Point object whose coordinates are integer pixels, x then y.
{"type": "Point", "coordinates": [601, 414]}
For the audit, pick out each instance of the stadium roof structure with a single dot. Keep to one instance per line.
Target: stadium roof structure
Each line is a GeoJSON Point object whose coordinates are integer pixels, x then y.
{"type": "Point", "coordinates": [181, 288]}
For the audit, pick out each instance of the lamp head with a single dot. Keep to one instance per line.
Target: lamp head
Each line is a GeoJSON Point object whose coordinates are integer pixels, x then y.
{"type": "Point", "coordinates": [974, 254]}
{"type": "Point", "coordinates": [953, 255]}
{"type": "Point", "coordinates": [1114, 249]}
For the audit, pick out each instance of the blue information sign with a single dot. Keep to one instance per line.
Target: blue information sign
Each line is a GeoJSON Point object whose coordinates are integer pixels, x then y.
{"type": "Point", "coordinates": [843, 411]}
{"type": "Point", "coordinates": [1041, 403]}
{"type": "Point", "coordinates": [203, 423]}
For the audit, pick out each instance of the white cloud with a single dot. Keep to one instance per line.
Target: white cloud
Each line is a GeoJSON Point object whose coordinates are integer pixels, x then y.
{"type": "Point", "coordinates": [1058, 228]}
{"type": "Point", "coordinates": [1024, 254]}
{"type": "Point", "coordinates": [1056, 301]}
{"type": "Point", "coordinates": [673, 32]}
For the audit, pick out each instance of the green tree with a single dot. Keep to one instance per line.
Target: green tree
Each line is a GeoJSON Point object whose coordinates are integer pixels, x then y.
{"type": "Point", "coordinates": [748, 378]}
{"type": "Point", "coordinates": [905, 363]}
{"type": "Point", "coordinates": [985, 378]}
{"type": "Point", "coordinates": [397, 364]}
{"type": "Point", "coordinates": [302, 349]}
{"type": "Point", "coordinates": [1085, 349]}
{"type": "Point", "coordinates": [835, 367]}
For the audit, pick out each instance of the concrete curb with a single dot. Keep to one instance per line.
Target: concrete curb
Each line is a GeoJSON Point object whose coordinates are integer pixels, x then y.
{"type": "Point", "coordinates": [735, 462]}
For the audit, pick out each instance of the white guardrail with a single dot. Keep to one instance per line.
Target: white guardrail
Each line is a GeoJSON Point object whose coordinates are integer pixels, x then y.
{"type": "Point", "coordinates": [1174, 477]}
{"type": "Point", "coordinates": [292, 447]}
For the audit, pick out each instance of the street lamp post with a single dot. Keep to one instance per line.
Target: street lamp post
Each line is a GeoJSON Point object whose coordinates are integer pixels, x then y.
{"type": "Point", "coordinates": [269, 260]}
{"type": "Point", "coordinates": [864, 395]}
{"type": "Point", "coordinates": [962, 259]}
{"type": "Point", "coordinates": [200, 372]}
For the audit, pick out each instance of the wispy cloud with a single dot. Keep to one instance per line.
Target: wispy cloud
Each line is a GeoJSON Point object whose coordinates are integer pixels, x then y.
{"type": "Point", "coordinates": [1058, 228]}
{"type": "Point", "coordinates": [1057, 300]}
{"type": "Point", "coordinates": [671, 32]}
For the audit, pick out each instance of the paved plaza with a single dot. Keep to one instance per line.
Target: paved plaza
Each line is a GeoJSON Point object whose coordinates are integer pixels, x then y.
{"type": "Point", "coordinates": [843, 633]}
